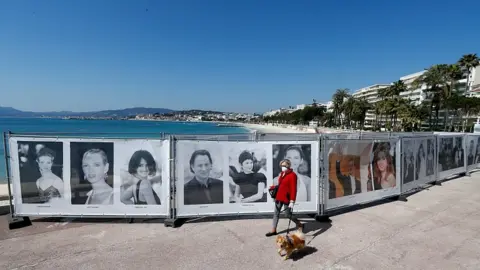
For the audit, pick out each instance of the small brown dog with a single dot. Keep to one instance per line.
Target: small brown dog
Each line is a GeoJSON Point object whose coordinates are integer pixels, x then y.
{"type": "Point", "coordinates": [290, 243]}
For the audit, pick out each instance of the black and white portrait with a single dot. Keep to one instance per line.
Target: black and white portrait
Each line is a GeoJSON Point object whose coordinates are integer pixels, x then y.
{"type": "Point", "coordinates": [203, 173]}
{"type": "Point", "coordinates": [408, 161]}
{"type": "Point", "coordinates": [451, 153]}
{"type": "Point", "coordinates": [91, 173]}
{"type": "Point", "coordinates": [471, 146]}
{"type": "Point", "coordinates": [477, 150]}
{"type": "Point", "coordinates": [445, 154]}
{"type": "Point", "coordinates": [248, 170]}
{"type": "Point", "coordinates": [41, 170]}
{"type": "Point", "coordinates": [300, 155]}
{"type": "Point", "coordinates": [430, 157]}
{"type": "Point", "coordinates": [140, 172]}
{"type": "Point", "coordinates": [421, 159]}
{"type": "Point", "coordinates": [459, 153]}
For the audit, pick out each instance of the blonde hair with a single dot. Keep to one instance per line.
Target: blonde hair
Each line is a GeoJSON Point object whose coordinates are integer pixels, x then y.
{"type": "Point", "coordinates": [287, 162]}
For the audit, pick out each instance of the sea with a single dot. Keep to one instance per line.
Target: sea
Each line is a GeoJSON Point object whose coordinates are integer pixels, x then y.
{"type": "Point", "coordinates": [107, 128]}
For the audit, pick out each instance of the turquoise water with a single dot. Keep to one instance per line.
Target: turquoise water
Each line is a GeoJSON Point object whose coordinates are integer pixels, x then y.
{"type": "Point", "coordinates": [106, 128]}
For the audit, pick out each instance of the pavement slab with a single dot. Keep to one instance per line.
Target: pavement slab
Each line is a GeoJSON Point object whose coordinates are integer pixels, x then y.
{"type": "Point", "coordinates": [437, 228]}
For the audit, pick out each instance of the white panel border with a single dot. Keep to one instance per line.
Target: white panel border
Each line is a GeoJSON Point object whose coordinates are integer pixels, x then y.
{"type": "Point", "coordinates": [117, 209]}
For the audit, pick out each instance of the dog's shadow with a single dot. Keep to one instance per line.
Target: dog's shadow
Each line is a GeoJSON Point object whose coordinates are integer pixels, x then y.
{"type": "Point", "coordinates": [314, 227]}
{"type": "Point", "coordinates": [299, 254]}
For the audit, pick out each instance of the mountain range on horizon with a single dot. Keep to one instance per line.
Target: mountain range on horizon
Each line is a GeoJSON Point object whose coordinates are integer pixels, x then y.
{"type": "Point", "coordinates": [12, 112]}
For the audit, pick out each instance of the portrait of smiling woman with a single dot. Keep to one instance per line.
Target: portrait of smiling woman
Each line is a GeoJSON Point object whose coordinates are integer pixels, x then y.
{"type": "Point", "coordinates": [41, 168]}
{"type": "Point", "coordinates": [137, 179]}
{"type": "Point", "coordinates": [300, 157]}
{"type": "Point", "coordinates": [384, 165]}
{"type": "Point", "coordinates": [91, 173]}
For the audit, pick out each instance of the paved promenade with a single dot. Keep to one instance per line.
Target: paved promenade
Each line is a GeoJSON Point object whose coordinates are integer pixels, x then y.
{"type": "Point", "coordinates": [438, 228]}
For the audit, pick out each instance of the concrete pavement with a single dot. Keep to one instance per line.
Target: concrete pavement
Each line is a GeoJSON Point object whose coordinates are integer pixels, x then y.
{"type": "Point", "coordinates": [438, 228]}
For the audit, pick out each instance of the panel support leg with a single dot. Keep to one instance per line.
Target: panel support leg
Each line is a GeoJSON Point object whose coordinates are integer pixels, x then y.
{"type": "Point", "coordinates": [323, 219]}
{"type": "Point", "coordinates": [17, 222]}
{"type": "Point", "coordinates": [174, 222]}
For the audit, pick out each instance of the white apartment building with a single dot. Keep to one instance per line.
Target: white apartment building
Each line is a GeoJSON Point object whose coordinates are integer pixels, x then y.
{"type": "Point", "coordinates": [474, 82]}
{"type": "Point", "coordinates": [417, 95]}
{"type": "Point", "coordinates": [370, 94]}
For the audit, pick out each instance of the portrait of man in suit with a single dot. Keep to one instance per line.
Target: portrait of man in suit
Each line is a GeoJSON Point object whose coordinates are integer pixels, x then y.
{"type": "Point", "coordinates": [202, 189]}
{"type": "Point", "coordinates": [351, 185]}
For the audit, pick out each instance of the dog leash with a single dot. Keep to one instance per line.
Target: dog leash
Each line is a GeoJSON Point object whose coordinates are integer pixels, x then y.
{"type": "Point", "coordinates": [288, 227]}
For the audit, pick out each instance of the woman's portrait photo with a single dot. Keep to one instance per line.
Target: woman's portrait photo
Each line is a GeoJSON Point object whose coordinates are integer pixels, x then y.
{"type": "Point", "coordinates": [41, 169]}
{"type": "Point", "coordinates": [203, 174]}
{"type": "Point", "coordinates": [140, 171]}
{"type": "Point", "coordinates": [300, 156]}
{"type": "Point", "coordinates": [248, 170]}
{"type": "Point", "coordinates": [408, 161]}
{"type": "Point", "coordinates": [91, 173]}
{"type": "Point", "coordinates": [421, 159]}
{"type": "Point", "coordinates": [383, 165]}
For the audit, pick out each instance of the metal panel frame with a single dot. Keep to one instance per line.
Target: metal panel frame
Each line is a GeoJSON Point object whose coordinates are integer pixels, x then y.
{"type": "Point", "coordinates": [6, 148]}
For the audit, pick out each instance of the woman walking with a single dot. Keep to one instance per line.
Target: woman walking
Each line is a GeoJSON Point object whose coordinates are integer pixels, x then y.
{"type": "Point", "coordinates": [286, 195]}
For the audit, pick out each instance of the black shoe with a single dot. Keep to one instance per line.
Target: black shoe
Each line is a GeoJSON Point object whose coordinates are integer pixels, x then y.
{"type": "Point", "coordinates": [270, 234]}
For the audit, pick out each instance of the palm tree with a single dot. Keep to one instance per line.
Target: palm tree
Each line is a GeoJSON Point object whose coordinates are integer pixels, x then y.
{"type": "Point", "coordinates": [392, 100]}
{"type": "Point", "coordinates": [467, 63]}
{"type": "Point", "coordinates": [338, 99]}
{"type": "Point", "coordinates": [433, 79]}
{"type": "Point", "coordinates": [451, 73]}
{"type": "Point", "coordinates": [359, 112]}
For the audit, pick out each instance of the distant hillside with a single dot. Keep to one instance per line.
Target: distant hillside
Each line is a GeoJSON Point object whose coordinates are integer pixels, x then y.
{"type": "Point", "coordinates": [11, 112]}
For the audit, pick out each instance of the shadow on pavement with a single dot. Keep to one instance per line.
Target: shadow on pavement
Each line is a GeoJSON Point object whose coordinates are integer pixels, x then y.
{"type": "Point", "coordinates": [298, 255]}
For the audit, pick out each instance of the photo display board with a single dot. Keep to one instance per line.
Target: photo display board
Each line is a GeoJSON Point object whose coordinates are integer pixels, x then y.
{"type": "Point", "coordinates": [472, 147]}
{"type": "Point", "coordinates": [218, 178]}
{"type": "Point", "coordinates": [360, 171]}
{"type": "Point", "coordinates": [90, 177]}
{"type": "Point", "coordinates": [451, 155]}
{"type": "Point", "coordinates": [418, 162]}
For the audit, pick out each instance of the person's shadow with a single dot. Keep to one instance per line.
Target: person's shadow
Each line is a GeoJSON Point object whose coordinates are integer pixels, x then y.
{"type": "Point", "coordinates": [311, 226]}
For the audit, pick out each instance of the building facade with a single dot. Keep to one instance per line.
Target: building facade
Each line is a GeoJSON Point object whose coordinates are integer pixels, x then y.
{"type": "Point", "coordinates": [370, 94]}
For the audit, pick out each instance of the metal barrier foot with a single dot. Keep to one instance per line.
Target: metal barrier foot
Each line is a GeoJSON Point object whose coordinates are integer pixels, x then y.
{"type": "Point", "coordinates": [18, 222]}
{"type": "Point", "coordinates": [174, 222]}
{"type": "Point", "coordinates": [436, 183]}
{"type": "Point", "coordinates": [323, 219]}
{"type": "Point", "coordinates": [402, 198]}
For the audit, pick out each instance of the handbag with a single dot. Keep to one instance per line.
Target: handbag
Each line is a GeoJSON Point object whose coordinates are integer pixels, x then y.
{"type": "Point", "coordinates": [273, 191]}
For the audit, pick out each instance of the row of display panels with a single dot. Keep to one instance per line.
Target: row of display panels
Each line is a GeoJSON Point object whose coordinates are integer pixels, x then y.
{"type": "Point", "coordinates": [132, 177]}
{"type": "Point", "coordinates": [361, 171]}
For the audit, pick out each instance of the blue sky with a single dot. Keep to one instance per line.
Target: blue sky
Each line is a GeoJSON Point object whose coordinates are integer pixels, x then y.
{"type": "Point", "coordinates": [228, 55]}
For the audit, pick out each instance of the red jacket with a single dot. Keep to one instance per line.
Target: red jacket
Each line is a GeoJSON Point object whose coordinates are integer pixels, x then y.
{"type": "Point", "coordinates": [287, 186]}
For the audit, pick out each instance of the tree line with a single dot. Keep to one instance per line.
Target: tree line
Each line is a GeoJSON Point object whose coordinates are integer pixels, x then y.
{"type": "Point", "coordinates": [444, 105]}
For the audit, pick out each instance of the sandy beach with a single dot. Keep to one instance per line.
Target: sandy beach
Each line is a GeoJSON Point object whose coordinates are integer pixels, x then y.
{"type": "Point", "coordinates": [3, 192]}
{"type": "Point", "coordinates": [270, 128]}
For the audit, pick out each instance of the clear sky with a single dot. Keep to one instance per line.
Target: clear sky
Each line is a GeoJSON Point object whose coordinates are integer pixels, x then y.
{"type": "Point", "coordinates": [228, 55]}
